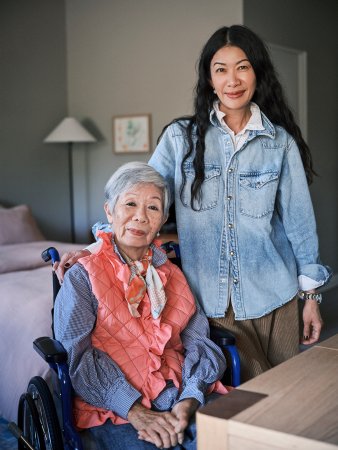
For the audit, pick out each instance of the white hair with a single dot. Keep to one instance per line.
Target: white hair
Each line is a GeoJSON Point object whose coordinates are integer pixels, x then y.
{"type": "Point", "coordinates": [131, 174]}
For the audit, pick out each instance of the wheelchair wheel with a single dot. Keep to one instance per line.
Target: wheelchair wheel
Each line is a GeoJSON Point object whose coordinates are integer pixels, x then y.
{"type": "Point", "coordinates": [28, 422]}
{"type": "Point", "coordinates": [37, 417]}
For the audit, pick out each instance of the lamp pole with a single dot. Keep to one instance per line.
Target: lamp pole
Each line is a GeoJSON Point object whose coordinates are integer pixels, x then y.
{"type": "Point", "coordinates": [71, 190]}
{"type": "Point", "coordinates": [69, 131]}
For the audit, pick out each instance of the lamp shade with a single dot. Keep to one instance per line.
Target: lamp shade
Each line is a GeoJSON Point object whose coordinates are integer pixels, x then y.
{"type": "Point", "coordinates": [69, 130]}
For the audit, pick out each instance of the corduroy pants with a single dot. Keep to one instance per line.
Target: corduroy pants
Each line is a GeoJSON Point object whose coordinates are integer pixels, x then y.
{"type": "Point", "coordinates": [264, 342]}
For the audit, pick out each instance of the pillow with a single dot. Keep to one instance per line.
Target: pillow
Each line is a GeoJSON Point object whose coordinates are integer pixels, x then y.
{"type": "Point", "coordinates": [18, 225]}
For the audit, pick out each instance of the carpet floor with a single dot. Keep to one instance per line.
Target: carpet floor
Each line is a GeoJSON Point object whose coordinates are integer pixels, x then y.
{"type": "Point", "coordinates": [7, 440]}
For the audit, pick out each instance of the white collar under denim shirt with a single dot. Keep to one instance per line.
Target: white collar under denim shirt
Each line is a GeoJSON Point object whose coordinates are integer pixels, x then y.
{"type": "Point", "coordinates": [254, 123]}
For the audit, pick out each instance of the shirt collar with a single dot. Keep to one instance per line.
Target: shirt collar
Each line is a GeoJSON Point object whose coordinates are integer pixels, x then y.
{"type": "Point", "coordinates": [254, 123]}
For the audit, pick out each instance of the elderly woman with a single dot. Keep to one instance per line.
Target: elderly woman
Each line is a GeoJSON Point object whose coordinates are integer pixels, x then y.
{"type": "Point", "coordinates": [140, 359]}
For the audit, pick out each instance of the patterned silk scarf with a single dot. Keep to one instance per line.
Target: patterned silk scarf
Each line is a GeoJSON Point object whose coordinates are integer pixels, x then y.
{"type": "Point", "coordinates": [144, 278]}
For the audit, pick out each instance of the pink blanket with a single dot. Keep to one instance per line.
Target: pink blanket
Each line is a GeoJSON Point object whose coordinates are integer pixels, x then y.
{"type": "Point", "coordinates": [25, 305]}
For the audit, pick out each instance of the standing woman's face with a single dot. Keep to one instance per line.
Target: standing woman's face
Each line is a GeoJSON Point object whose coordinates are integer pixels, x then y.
{"type": "Point", "coordinates": [233, 78]}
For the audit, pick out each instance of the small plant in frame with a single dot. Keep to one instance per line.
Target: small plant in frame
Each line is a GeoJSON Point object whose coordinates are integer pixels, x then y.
{"type": "Point", "coordinates": [131, 134]}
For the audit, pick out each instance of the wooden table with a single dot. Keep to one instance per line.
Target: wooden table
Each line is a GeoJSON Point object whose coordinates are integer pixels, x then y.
{"type": "Point", "coordinates": [292, 406]}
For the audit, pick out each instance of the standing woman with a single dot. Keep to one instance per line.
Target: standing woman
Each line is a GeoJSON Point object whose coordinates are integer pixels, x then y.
{"type": "Point", "coordinates": [239, 170]}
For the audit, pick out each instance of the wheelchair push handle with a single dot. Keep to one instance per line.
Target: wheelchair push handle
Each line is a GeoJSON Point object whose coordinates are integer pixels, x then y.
{"type": "Point", "coordinates": [50, 254]}
{"type": "Point", "coordinates": [172, 246]}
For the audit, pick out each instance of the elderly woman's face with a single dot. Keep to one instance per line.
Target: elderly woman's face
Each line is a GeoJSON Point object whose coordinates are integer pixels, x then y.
{"type": "Point", "coordinates": [136, 219]}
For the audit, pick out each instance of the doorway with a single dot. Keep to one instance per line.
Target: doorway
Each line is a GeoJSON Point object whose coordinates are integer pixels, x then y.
{"type": "Point", "coordinates": [291, 66]}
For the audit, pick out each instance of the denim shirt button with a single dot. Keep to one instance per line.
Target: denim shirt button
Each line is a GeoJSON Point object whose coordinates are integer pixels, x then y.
{"type": "Point", "coordinates": [232, 253]}
{"type": "Point", "coordinates": [236, 281]}
{"type": "Point", "coordinates": [230, 170]}
{"type": "Point", "coordinates": [230, 225]}
{"type": "Point", "coordinates": [229, 197]}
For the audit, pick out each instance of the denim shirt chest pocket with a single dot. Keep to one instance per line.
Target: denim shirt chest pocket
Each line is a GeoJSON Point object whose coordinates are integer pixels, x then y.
{"type": "Point", "coordinates": [257, 193]}
{"type": "Point", "coordinates": [210, 186]}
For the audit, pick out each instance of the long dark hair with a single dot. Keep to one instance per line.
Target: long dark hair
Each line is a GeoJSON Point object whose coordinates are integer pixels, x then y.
{"type": "Point", "coordinates": [269, 96]}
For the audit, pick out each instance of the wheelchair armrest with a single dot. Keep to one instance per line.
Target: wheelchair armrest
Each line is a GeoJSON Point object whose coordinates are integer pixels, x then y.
{"type": "Point", "coordinates": [50, 350]}
{"type": "Point", "coordinates": [227, 342]}
{"type": "Point", "coordinates": [221, 336]}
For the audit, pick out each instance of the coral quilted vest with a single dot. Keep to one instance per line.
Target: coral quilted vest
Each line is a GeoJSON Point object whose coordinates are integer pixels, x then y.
{"type": "Point", "coordinates": [148, 351]}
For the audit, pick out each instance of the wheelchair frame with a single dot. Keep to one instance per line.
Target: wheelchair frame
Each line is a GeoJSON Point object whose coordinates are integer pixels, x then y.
{"type": "Point", "coordinates": [38, 422]}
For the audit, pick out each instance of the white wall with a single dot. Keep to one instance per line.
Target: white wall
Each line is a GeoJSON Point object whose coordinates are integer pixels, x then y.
{"type": "Point", "coordinates": [126, 57]}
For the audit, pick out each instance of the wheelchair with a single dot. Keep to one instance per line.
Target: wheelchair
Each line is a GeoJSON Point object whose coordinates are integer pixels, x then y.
{"type": "Point", "coordinates": [45, 425]}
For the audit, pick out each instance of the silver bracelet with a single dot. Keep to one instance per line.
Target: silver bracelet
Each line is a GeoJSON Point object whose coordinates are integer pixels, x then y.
{"type": "Point", "coordinates": [310, 296]}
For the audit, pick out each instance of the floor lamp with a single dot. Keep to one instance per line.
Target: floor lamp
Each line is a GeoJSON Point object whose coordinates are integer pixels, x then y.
{"type": "Point", "coordinates": [69, 131]}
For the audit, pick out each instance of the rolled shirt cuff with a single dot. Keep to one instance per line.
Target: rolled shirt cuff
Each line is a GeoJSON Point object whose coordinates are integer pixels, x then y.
{"type": "Point", "coordinates": [307, 284]}
{"type": "Point", "coordinates": [194, 389]}
{"type": "Point", "coordinates": [312, 276]}
{"type": "Point", "coordinates": [123, 399]}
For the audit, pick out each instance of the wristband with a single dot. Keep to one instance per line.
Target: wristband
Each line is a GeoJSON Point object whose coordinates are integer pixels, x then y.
{"type": "Point", "coordinates": [310, 296]}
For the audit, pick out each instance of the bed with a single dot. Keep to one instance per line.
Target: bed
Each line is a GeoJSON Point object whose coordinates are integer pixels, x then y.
{"type": "Point", "coordinates": [26, 302]}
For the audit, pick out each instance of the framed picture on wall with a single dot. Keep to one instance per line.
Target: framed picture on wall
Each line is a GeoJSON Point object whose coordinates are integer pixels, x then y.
{"type": "Point", "coordinates": [131, 133]}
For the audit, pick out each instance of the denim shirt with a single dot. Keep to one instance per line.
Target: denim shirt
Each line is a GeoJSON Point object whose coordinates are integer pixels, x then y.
{"type": "Point", "coordinates": [253, 232]}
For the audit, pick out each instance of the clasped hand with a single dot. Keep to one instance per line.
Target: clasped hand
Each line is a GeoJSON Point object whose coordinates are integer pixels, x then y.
{"type": "Point", "coordinates": [163, 429]}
